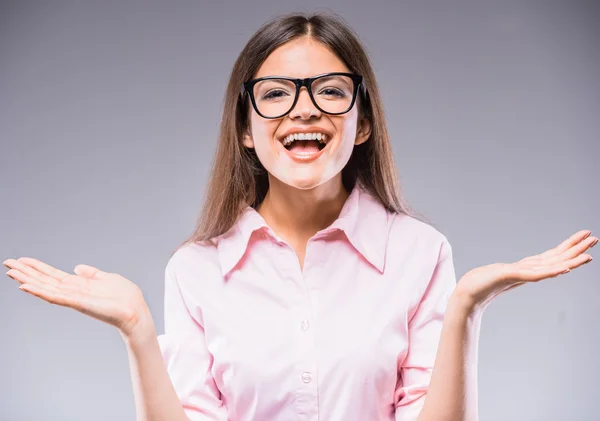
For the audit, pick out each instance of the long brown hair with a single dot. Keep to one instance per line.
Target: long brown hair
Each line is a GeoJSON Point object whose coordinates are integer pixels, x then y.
{"type": "Point", "coordinates": [238, 179]}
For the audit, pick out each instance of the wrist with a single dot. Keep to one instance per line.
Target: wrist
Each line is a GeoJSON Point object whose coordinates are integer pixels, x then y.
{"type": "Point", "coordinates": [143, 330]}
{"type": "Point", "coordinates": [461, 305]}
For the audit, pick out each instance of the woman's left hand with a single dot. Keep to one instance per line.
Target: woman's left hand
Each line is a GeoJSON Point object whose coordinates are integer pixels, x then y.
{"type": "Point", "coordinates": [478, 287]}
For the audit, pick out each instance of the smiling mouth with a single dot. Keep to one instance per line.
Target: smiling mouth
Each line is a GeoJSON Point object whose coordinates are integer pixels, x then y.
{"type": "Point", "coordinates": [305, 141]}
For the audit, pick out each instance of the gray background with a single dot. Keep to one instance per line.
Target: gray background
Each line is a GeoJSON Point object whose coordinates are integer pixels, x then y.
{"type": "Point", "coordinates": [108, 120]}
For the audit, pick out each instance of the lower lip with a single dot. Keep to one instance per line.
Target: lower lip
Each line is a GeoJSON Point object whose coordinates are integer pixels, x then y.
{"type": "Point", "coordinates": [304, 157]}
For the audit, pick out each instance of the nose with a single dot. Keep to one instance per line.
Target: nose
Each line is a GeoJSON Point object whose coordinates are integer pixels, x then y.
{"type": "Point", "coordinates": [304, 108]}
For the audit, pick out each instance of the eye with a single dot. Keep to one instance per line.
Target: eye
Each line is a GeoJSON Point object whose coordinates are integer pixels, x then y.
{"type": "Point", "coordinates": [274, 94]}
{"type": "Point", "coordinates": [332, 92]}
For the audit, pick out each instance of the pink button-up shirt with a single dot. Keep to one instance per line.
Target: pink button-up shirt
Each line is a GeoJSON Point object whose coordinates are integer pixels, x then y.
{"type": "Point", "coordinates": [352, 336]}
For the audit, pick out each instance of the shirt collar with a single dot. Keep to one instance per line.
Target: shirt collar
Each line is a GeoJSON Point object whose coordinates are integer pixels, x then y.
{"type": "Point", "coordinates": [362, 219]}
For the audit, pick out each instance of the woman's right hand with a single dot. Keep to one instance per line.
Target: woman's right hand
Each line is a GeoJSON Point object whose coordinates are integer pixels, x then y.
{"type": "Point", "coordinates": [108, 297]}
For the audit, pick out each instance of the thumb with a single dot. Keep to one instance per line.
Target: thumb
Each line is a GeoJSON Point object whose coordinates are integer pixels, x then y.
{"type": "Point", "coordinates": [89, 272]}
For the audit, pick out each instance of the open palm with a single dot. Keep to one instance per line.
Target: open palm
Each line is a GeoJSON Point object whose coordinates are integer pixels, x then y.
{"type": "Point", "coordinates": [481, 285]}
{"type": "Point", "coordinates": [108, 297]}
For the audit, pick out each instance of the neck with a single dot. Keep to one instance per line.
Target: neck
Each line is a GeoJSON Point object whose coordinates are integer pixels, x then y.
{"type": "Point", "coordinates": [296, 215]}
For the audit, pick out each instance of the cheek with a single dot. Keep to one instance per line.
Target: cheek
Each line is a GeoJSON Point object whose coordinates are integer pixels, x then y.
{"type": "Point", "coordinates": [348, 131]}
{"type": "Point", "coordinates": [263, 132]}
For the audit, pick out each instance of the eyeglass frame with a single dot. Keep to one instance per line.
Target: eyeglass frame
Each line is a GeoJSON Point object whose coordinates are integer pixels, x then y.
{"type": "Point", "coordinates": [248, 87]}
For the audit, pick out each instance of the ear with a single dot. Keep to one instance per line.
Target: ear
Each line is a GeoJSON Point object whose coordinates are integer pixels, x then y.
{"type": "Point", "coordinates": [247, 140]}
{"type": "Point", "coordinates": [363, 131]}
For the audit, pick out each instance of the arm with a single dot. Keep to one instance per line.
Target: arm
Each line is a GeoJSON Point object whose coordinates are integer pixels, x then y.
{"type": "Point", "coordinates": [427, 320]}
{"type": "Point", "coordinates": [183, 346]}
{"type": "Point", "coordinates": [115, 300]}
{"type": "Point", "coordinates": [439, 374]}
{"type": "Point", "coordinates": [452, 394]}
{"type": "Point", "coordinates": [155, 397]}
{"type": "Point", "coordinates": [171, 373]}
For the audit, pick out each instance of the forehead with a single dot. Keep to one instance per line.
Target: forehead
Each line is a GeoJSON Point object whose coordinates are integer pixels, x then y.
{"type": "Point", "coordinates": [302, 57]}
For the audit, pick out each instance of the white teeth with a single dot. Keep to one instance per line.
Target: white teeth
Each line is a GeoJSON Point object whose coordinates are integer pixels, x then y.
{"type": "Point", "coordinates": [321, 137]}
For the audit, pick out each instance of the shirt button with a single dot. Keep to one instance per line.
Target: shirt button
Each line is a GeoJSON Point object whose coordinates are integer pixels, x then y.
{"type": "Point", "coordinates": [306, 377]}
{"type": "Point", "coordinates": [304, 325]}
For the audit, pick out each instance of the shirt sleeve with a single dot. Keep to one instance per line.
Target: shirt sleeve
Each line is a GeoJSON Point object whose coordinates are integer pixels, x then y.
{"type": "Point", "coordinates": [424, 331]}
{"type": "Point", "coordinates": [186, 357]}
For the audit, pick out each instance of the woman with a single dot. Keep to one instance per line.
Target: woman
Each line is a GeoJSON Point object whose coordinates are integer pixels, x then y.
{"type": "Point", "coordinates": [308, 290]}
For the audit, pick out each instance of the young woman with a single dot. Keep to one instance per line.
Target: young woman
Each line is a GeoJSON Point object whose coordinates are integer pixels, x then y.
{"type": "Point", "coordinates": [308, 290]}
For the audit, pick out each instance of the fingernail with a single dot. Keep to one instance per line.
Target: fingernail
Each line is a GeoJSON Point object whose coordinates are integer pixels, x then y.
{"type": "Point", "coordinates": [594, 243]}
{"type": "Point", "coordinates": [591, 258]}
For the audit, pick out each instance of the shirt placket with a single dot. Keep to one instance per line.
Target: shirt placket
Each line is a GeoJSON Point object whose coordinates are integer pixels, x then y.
{"type": "Point", "coordinates": [305, 375]}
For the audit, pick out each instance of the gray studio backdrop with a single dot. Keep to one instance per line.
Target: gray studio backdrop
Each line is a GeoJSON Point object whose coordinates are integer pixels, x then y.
{"type": "Point", "coordinates": [108, 120]}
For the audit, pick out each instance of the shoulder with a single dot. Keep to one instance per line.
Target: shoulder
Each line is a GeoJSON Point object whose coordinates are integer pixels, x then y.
{"type": "Point", "coordinates": [423, 253]}
{"type": "Point", "coordinates": [416, 246]}
{"type": "Point", "coordinates": [416, 233]}
{"type": "Point", "coordinates": [193, 264]}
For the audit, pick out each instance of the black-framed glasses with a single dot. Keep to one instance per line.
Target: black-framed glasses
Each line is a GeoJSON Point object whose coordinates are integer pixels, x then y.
{"type": "Point", "coordinates": [275, 96]}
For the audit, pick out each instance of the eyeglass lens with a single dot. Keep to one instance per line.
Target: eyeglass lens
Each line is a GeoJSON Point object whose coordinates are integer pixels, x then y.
{"type": "Point", "coordinates": [333, 94]}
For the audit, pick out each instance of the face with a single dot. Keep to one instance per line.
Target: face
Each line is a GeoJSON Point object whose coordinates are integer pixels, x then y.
{"type": "Point", "coordinates": [301, 58]}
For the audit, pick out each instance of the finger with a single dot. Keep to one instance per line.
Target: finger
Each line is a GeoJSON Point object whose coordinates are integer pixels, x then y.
{"type": "Point", "coordinates": [574, 240]}
{"type": "Point", "coordinates": [90, 272]}
{"type": "Point", "coordinates": [567, 244]}
{"type": "Point", "coordinates": [53, 296]}
{"type": "Point", "coordinates": [44, 268]}
{"type": "Point", "coordinates": [537, 273]}
{"type": "Point", "coordinates": [29, 271]}
{"type": "Point", "coordinates": [23, 278]}
{"type": "Point", "coordinates": [574, 251]}
{"type": "Point", "coordinates": [576, 261]}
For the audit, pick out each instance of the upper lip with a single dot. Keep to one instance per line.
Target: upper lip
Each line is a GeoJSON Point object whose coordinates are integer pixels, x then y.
{"type": "Point", "coordinates": [305, 130]}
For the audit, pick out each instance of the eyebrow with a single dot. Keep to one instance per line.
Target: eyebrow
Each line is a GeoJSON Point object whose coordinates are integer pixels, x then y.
{"type": "Point", "coordinates": [308, 77]}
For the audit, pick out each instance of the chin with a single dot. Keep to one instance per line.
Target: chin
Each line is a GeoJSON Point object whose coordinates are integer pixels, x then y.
{"type": "Point", "coordinates": [306, 183]}
{"type": "Point", "coordinates": [304, 178]}
{"type": "Point", "coordinates": [303, 184]}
